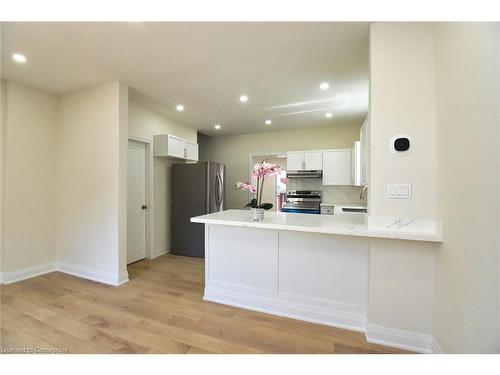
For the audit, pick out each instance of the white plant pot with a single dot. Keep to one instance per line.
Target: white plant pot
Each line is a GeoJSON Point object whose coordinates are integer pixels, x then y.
{"type": "Point", "coordinates": [257, 214]}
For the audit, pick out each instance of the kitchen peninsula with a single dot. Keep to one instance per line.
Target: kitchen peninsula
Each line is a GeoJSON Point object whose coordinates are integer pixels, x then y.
{"type": "Point", "coordinates": [308, 267]}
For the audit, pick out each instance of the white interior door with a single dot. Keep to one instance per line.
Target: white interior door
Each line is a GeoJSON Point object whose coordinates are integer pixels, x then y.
{"type": "Point", "coordinates": [136, 202]}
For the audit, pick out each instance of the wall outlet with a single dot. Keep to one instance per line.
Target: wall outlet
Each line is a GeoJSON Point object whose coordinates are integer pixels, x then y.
{"type": "Point", "coordinates": [399, 191]}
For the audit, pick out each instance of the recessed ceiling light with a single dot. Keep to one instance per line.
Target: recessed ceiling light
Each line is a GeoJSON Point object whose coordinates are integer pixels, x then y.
{"type": "Point", "coordinates": [17, 57]}
{"type": "Point", "coordinates": [217, 126]}
{"type": "Point", "coordinates": [180, 107]}
{"type": "Point", "coordinates": [268, 122]}
{"type": "Point", "coordinates": [243, 98]}
{"type": "Point", "coordinates": [324, 86]}
{"type": "Point", "coordinates": [329, 115]}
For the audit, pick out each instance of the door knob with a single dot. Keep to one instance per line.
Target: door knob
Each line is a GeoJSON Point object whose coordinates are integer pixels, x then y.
{"type": "Point", "coordinates": [144, 207]}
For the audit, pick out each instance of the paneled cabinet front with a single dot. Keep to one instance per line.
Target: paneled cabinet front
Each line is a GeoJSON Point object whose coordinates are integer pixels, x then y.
{"type": "Point", "coordinates": [167, 145]}
{"type": "Point", "coordinates": [191, 151]}
{"type": "Point", "coordinates": [304, 160]}
{"type": "Point", "coordinates": [337, 167]}
{"type": "Point", "coordinates": [295, 160]}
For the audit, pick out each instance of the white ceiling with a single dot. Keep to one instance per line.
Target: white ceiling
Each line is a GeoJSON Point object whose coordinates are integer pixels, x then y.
{"type": "Point", "coordinates": [205, 67]}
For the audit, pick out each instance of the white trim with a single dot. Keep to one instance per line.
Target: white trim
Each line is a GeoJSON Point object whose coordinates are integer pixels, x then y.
{"type": "Point", "coordinates": [328, 317]}
{"type": "Point", "coordinates": [27, 273]}
{"type": "Point", "coordinates": [156, 255]}
{"type": "Point", "coordinates": [104, 277]}
{"type": "Point", "coordinates": [122, 278]}
{"type": "Point", "coordinates": [397, 338]}
{"type": "Point", "coordinates": [70, 269]}
{"type": "Point", "coordinates": [149, 193]}
{"type": "Point", "coordinates": [252, 155]}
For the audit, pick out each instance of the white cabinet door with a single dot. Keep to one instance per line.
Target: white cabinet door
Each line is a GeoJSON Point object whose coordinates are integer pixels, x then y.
{"type": "Point", "coordinates": [337, 167]}
{"type": "Point", "coordinates": [313, 160]}
{"type": "Point", "coordinates": [175, 147]}
{"type": "Point", "coordinates": [363, 138]}
{"type": "Point", "coordinates": [191, 151]}
{"type": "Point", "coordinates": [136, 201]}
{"type": "Point", "coordinates": [295, 160]}
{"type": "Point", "coordinates": [356, 164]}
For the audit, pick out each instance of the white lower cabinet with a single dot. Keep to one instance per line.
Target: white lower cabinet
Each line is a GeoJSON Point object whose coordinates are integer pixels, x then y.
{"type": "Point", "coordinates": [337, 167]}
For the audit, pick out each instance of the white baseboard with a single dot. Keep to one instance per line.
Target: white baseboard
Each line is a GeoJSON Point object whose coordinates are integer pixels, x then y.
{"type": "Point", "coordinates": [340, 319]}
{"type": "Point", "coordinates": [122, 278]}
{"type": "Point", "coordinates": [71, 269]}
{"type": "Point", "coordinates": [104, 277]}
{"type": "Point", "coordinates": [27, 273]}
{"type": "Point", "coordinates": [397, 338]}
{"type": "Point", "coordinates": [159, 254]}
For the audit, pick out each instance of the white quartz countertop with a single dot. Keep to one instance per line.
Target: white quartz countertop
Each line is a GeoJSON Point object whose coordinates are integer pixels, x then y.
{"type": "Point", "coordinates": [344, 224]}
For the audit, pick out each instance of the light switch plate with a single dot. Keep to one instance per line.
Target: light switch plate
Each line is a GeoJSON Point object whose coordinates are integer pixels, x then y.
{"type": "Point", "coordinates": [399, 191]}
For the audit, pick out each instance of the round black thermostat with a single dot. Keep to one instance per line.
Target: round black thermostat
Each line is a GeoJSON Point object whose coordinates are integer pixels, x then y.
{"type": "Point", "coordinates": [401, 144]}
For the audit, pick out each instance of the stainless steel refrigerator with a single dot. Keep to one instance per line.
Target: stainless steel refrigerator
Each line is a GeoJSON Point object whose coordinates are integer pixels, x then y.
{"type": "Point", "coordinates": [197, 189]}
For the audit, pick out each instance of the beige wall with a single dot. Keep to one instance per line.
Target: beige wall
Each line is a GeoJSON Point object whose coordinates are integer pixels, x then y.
{"type": "Point", "coordinates": [467, 316]}
{"type": "Point", "coordinates": [402, 102]}
{"type": "Point", "coordinates": [30, 119]}
{"type": "Point", "coordinates": [234, 150]}
{"type": "Point", "coordinates": [442, 82]}
{"type": "Point", "coordinates": [2, 162]}
{"type": "Point", "coordinates": [123, 92]}
{"type": "Point", "coordinates": [90, 148]}
{"type": "Point", "coordinates": [401, 284]}
{"type": "Point", "coordinates": [144, 123]}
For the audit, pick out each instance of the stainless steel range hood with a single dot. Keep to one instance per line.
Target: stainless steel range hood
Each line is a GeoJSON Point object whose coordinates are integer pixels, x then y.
{"type": "Point", "coordinates": [304, 174]}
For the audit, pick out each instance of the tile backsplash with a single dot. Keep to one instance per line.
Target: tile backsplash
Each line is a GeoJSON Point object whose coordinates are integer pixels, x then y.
{"type": "Point", "coordinates": [330, 194]}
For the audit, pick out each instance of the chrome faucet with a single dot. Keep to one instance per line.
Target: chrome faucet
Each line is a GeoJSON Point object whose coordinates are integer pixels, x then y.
{"type": "Point", "coordinates": [362, 195]}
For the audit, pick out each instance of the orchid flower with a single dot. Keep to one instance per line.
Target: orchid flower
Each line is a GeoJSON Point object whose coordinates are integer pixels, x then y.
{"type": "Point", "coordinates": [247, 187]}
{"type": "Point", "coordinates": [260, 171]}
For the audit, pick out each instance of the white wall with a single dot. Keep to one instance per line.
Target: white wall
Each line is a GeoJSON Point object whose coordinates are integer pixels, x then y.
{"type": "Point", "coordinates": [90, 183]}
{"type": "Point", "coordinates": [467, 316]}
{"type": "Point", "coordinates": [234, 150]}
{"type": "Point", "coordinates": [144, 123]}
{"type": "Point", "coordinates": [123, 92]}
{"type": "Point", "coordinates": [29, 156]}
{"type": "Point", "coordinates": [402, 102]}
{"type": "Point", "coordinates": [439, 84]}
{"type": "Point", "coordinates": [3, 122]}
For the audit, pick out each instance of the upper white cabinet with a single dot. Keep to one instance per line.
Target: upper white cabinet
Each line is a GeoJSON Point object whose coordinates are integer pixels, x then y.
{"type": "Point", "coordinates": [337, 167]}
{"type": "Point", "coordinates": [167, 145]}
{"type": "Point", "coordinates": [295, 160]}
{"type": "Point", "coordinates": [304, 160]}
{"type": "Point", "coordinates": [356, 164]}
{"type": "Point", "coordinates": [191, 151]}
{"type": "Point", "coordinates": [363, 139]}
{"type": "Point", "coordinates": [313, 160]}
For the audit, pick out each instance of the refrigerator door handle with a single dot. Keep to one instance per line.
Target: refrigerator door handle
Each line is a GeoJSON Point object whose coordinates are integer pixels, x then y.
{"type": "Point", "coordinates": [218, 190]}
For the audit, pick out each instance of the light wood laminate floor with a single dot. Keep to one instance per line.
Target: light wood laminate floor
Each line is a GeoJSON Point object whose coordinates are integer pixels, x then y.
{"type": "Point", "coordinates": [159, 311]}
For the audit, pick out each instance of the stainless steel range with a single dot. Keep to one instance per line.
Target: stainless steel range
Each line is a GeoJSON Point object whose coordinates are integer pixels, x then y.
{"type": "Point", "coordinates": [302, 201]}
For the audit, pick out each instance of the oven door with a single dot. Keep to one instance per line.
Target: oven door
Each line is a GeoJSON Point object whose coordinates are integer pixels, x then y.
{"type": "Point", "coordinates": [302, 208]}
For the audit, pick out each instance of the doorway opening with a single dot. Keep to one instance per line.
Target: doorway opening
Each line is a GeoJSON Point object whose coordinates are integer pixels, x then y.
{"type": "Point", "coordinates": [274, 189]}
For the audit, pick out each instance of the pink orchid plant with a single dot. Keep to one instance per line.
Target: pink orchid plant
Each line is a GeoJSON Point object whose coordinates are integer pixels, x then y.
{"type": "Point", "coordinates": [261, 171]}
